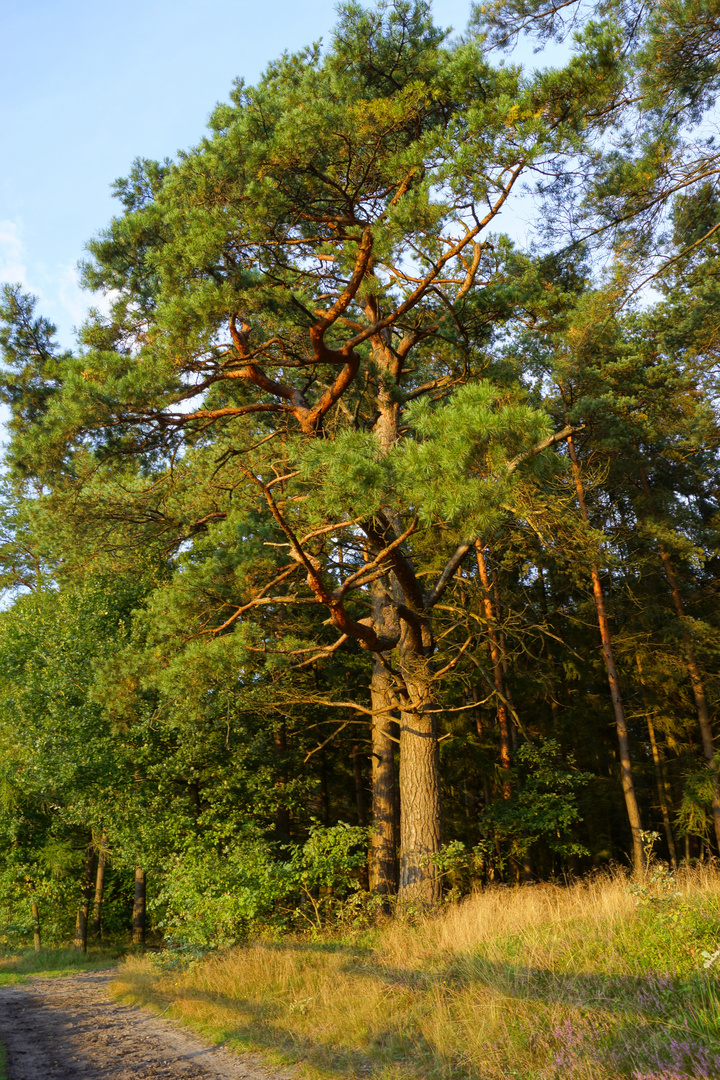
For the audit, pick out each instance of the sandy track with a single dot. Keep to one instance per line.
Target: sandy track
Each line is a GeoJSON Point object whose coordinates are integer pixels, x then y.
{"type": "Point", "coordinates": [70, 1029]}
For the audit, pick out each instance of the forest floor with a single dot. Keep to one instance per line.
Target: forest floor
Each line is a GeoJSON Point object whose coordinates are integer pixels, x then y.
{"type": "Point", "coordinates": [69, 1028]}
{"type": "Point", "coordinates": [602, 980]}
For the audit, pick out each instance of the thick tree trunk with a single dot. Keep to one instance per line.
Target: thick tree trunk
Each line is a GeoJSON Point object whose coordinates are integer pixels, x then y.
{"type": "Point", "coordinates": [419, 780]}
{"type": "Point", "coordinates": [81, 920]}
{"type": "Point", "coordinates": [421, 819]}
{"type": "Point", "coordinates": [628, 786]}
{"type": "Point", "coordinates": [96, 926]}
{"type": "Point", "coordinates": [36, 925]}
{"type": "Point", "coordinates": [497, 666]}
{"type": "Point", "coordinates": [138, 916]}
{"type": "Point", "coordinates": [383, 839]}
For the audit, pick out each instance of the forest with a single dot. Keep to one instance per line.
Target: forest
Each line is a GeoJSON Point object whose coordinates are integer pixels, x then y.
{"type": "Point", "coordinates": [364, 552]}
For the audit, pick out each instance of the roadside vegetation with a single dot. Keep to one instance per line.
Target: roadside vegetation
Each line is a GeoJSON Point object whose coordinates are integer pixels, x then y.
{"type": "Point", "coordinates": [601, 979]}
{"type": "Point", "coordinates": [48, 963]}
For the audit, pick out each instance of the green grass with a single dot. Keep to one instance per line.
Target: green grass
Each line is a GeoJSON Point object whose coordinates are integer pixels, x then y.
{"type": "Point", "coordinates": [541, 983]}
{"type": "Point", "coordinates": [49, 963]}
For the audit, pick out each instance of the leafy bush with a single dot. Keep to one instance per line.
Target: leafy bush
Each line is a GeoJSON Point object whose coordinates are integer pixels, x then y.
{"type": "Point", "coordinates": [210, 899]}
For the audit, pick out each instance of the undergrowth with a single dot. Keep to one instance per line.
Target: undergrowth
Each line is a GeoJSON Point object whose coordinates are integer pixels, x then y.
{"type": "Point", "coordinates": [597, 981]}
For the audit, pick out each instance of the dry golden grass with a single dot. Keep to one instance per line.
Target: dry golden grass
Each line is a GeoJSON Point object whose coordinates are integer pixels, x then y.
{"type": "Point", "coordinates": [539, 982]}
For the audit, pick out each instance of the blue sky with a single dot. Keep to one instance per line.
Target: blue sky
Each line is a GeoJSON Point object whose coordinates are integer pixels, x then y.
{"type": "Point", "coordinates": [86, 86]}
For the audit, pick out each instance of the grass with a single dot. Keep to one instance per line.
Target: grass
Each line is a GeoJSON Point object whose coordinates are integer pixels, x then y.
{"type": "Point", "coordinates": [20, 967]}
{"type": "Point", "coordinates": [585, 983]}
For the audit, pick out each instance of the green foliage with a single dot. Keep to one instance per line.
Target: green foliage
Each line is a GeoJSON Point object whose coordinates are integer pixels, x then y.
{"type": "Point", "coordinates": [212, 898]}
{"type": "Point", "coordinates": [543, 804]}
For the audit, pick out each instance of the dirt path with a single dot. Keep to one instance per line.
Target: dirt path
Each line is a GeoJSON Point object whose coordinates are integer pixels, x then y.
{"type": "Point", "coordinates": [70, 1029]}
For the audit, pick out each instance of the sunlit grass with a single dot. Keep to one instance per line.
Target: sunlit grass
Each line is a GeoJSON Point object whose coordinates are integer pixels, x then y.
{"type": "Point", "coordinates": [20, 966]}
{"type": "Point", "coordinates": [535, 983]}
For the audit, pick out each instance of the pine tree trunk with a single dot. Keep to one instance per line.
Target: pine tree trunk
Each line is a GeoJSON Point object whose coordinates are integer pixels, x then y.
{"type": "Point", "coordinates": [282, 814]}
{"type": "Point", "coordinates": [626, 776]}
{"type": "Point", "coordinates": [659, 771]}
{"type": "Point", "coordinates": [662, 794]}
{"type": "Point", "coordinates": [383, 839]}
{"type": "Point", "coordinates": [496, 660]}
{"type": "Point", "coordinates": [138, 916]}
{"type": "Point", "coordinates": [96, 926]}
{"type": "Point", "coordinates": [359, 785]}
{"type": "Point", "coordinates": [36, 925]}
{"type": "Point", "coordinates": [81, 920]}
{"type": "Point", "coordinates": [421, 817]}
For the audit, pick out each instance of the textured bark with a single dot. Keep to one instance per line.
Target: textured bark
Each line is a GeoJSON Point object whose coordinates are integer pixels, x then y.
{"type": "Point", "coordinates": [96, 926]}
{"type": "Point", "coordinates": [36, 925]}
{"type": "Point", "coordinates": [497, 666]}
{"type": "Point", "coordinates": [138, 916]}
{"type": "Point", "coordinates": [86, 885]}
{"type": "Point", "coordinates": [383, 839]}
{"type": "Point", "coordinates": [626, 777]}
{"type": "Point", "coordinates": [421, 820]}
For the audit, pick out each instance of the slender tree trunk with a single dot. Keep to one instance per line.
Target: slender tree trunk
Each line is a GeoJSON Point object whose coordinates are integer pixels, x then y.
{"type": "Point", "coordinates": [696, 679]}
{"type": "Point", "coordinates": [282, 814]}
{"type": "Point", "coordinates": [360, 805]}
{"type": "Point", "coordinates": [96, 926]}
{"type": "Point", "coordinates": [626, 776]}
{"type": "Point", "coordinates": [662, 793]}
{"type": "Point", "coordinates": [496, 660]}
{"type": "Point", "coordinates": [550, 697]}
{"type": "Point", "coordinates": [383, 839]}
{"type": "Point", "coordinates": [659, 771]}
{"type": "Point", "coordinates": [36, 924]}
{"type": "Point", "coordinates": [359, 785]}
{"type": "Point", "coordinates": [502, 641]}
{"type": "Point", "coordinates": [138, 916]}
{"type": "Point", "coordinates": [81, 920]}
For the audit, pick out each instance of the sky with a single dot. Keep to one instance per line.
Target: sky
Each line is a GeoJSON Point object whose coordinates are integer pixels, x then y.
{"type": "Point", "coordinates": [86, 86]}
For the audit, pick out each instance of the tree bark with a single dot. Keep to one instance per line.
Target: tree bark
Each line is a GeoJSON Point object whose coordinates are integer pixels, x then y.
{"type": "Point", "coordinates": [658, 769]}
{"type": "Point", "coordinates": [81, 920]}
{"type": "Point", "coordinates": [36, 925]}
{"type": "Point", "coordinates": [138, 916]}
{"type": "Point", "coordinates": [421, 817]}
{"type": "Point", "coordinates": [628, 786]}
{"type": "Point", "coordinates": [282, 814]}
{"type": "Point", "coordinates": [383, 839]}
{"type": "Point", "coordinates": [96, 926]}
{"type": "Point", "coordinates": [497, 666]}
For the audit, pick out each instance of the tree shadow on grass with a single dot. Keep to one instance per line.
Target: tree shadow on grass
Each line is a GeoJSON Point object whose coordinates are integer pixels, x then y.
{"type": "Point", "coordinates": [615, 1026]}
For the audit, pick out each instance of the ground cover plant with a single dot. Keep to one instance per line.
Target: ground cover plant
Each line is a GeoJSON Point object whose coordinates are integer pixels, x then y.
{"type": "Point", "coordinates": [592, 980]}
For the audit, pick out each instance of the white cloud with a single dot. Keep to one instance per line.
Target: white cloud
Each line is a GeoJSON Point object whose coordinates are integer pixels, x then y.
{"type": "Point", "coordinates": [12, 261]}
{"type": "Point", "coordinates": [73, 300]}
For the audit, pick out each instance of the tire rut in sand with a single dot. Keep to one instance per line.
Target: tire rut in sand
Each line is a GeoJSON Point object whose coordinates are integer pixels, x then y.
{"type": "Point", "coordinates": [68, 1028]}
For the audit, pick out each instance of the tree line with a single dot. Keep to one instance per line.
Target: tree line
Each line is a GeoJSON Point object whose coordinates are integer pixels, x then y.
{"type": "Point", "coordinates": [359, 550]}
